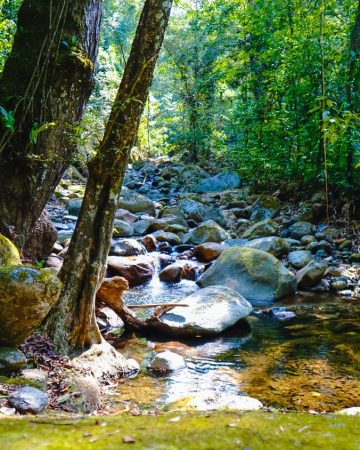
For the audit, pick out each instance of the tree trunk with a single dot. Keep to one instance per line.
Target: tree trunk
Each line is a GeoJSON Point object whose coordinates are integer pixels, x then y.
{"type": "Point", "coordinates": [353, 78]}
{"type": "Point", "coordinates": [72, 324]}
{"type": "Point", "coordinates": [47, 79]}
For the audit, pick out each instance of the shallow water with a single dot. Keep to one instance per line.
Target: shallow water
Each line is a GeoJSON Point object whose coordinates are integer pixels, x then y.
{"type": "Point", "coordinates": [308, 362]}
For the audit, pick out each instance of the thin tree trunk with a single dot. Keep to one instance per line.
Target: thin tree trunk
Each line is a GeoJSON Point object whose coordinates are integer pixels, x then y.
{"type": "Point", "coordinates": [47, 78]}
{"type": "Point", "coordinates": [72, 323]}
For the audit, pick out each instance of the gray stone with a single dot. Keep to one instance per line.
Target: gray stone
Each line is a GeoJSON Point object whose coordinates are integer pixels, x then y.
{"type": "Point", "coordinates": [274, 245]}
{"type": "Point", "coordinates": [36, 376]}
{"type": "Point", "coordinates": [299, 258]}
{"type": "Point", "coordinates": [219, 183]}
{"type": "Point", "coordinates": [28, 399]}
{"type": "Point", "coordinates": [208, 231]}
{"type": "Point", "coordinates": [209, 312]}
{"type": "Point", "coordinates": [167, 362]}
{"type": "Point", "coordinates": [142, 226]}
{"type": "Point", "coordinates": [257, 275]}
{"type": "Point", "coordinates": [127, 247]}
{"type": "Point", "coordinates": [300, 229]}
{"type": "Point", "coordinates": [122, 229]}
{"type": "Point", "coordinates": [11, 360]}
{"type": "Point", "coordinates": [199, 212]}
{"type": "Point", "coordinates": [264, 228]}
{"type": "Point", "coordinates": [311, 274]}
{"type": "Point", "coordinates": [136, 270]}
{"type": "Point", "coordinates": [135, 203]}
{"type": "Point", "coordinates": [74, 206]}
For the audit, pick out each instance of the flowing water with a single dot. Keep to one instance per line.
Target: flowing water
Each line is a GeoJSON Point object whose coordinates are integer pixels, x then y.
{"type": "Point", "coordinates": [308, 362]}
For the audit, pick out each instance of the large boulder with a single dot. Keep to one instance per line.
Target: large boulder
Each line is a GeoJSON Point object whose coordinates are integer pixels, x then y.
{"type": "Point", "coordinates": [209, 312]}
{"type": "Point", "coordinates": [209, 251]}
{"type": "Point", "coordinates": [135, 203]}
{"type": "Point", "coordinates": [136, 270]}
{"type": "Point", "coordinates": [263, 228]}
{"type": "Point", "coordinates": [26, 296]}
{"type": "Point", "coordinates": [275, 245]}
{"type": "Point", "coordinates": [122, 229]}
{"type": "Point", "coordinates": [311, 274]}
{"type": "Point", "coordinates": [179, 270]}
{"type": "Point", "coordinates": [9, 254]}
{"type": "Point", "coordinates": [255, 274]}
{"type": "Point", "coordinates": [208, 231]}
{"type": "Point", "coordinates": [219, 183]}
{"type": "Point", "coordinates": [127, 247]}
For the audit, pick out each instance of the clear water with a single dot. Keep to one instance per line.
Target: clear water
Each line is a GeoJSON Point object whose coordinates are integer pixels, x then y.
{"type": "Point", "coordinates": [308, 362]}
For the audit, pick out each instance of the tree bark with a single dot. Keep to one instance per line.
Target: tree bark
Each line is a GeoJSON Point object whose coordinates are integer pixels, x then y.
{"type": "Point", "coordinates": [72, 323]}
{"type": "Point", "coordinates": [47, 78]}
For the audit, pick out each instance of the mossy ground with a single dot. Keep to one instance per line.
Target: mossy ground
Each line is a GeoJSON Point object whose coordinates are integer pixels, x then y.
{"type": "Point", "coordinates": [221, 430]}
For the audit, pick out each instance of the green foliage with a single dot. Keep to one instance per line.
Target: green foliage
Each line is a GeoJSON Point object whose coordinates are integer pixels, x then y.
{"type": "Point", "coordinates": [7, 119]}
{"type": "Point", "coordinates": [8, 12]}
{"type": "Point", "coordinates": [37, 129]}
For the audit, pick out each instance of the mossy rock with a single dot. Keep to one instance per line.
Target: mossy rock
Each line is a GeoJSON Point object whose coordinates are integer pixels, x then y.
{"type": "Point", "coordinates": [26, 296]}
{"type": "Point", "coordinates": [9, 254]}
{"type": "Point", "coordinates": [255, 274]}
{"type": "Point", "coordinates": [264, 228]}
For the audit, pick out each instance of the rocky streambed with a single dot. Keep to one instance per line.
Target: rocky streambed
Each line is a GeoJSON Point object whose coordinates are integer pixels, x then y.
{"type": "Point", "coordinates": [262, 296]}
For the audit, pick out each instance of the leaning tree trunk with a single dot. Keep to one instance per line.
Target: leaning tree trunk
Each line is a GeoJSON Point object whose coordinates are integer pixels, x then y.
{"type": "Point", "coordinates": [46, 82]}
{"type": "Point", "coordinates": [72, 323]}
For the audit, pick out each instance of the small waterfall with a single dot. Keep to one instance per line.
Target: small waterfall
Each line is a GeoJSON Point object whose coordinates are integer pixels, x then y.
{"type": "Point", "coordinates": [155, 286]}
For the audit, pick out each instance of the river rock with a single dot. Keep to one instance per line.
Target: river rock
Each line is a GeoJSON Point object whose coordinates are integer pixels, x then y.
{"type": "Point", "coordinates": [167, 362]}
{"type": "Point", "coordinates": [300, 229]}
{"type": "Point", "coordinates": [311, 274]}
{"type": "Point", "coordinates": [164, 222]}
{"type": "Point", "coordinates": [11, 360]}
{"type": "Point", "coordinates": [209, 312]}
{"type": "Point", "coordinates": [199, 212]}
{"type": "Point", "coordinates": [127, 247]}
{"type": "Point", "coordinates": [172, 211]}
{"type": "Point", "coordinates": [219, 183]}
{"type": "Point", "coordinates": [26, 296]}
{"type": "Point", "coordinates": [274, 245]}
{"type": "Point", "coordinates": [209, 251]}
{"type": "Point", "coordinates": [255, 274]}
{"type": "Point", "coordinates": [264, 228]}
{"type": "Point", "coordinates": [166, 236]}
{"type": "Point", "coordinates": [122, 229]}
{"type": "Point", "coordinates": [179, 270]}
{"type": "Point", "coordinates": [74, 206]}
{"type": "Point", "coordinates": [299, 258]}
{"type": "Point", "coordinates": [208, 231]}
{"type": "Point", "coordinates": [142, 226]}
{"type": "Point", "coordinates": [9, 254]}
{"type": "Point", "coordinates": [125, 216]}
{"type": "Point", "coordinates": [135, 203]}
{"type": "Point", "coordinates": [28, 399]}
{"type": "Point", "coordinates": [136, 270]}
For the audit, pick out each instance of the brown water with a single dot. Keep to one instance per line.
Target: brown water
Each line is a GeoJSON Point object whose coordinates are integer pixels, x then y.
{"type": "Point", "coordinates": [309, 362]}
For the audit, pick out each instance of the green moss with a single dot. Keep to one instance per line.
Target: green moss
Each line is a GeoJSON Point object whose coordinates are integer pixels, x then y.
{"type": "Point", "coordinates": [263, 431]}
{"type": "Point", "coordinates": [9, 254]}
{"type": "Point", "coordinates": [18, 381]}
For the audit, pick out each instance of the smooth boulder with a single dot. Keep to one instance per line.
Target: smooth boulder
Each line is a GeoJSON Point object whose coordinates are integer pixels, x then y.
{"type": "Point", "coordinates": [28, 399]}
{"type": "Point", "coordinates": [9, 254]}
{"type": "Point", "coordinates": [135, 203]}
{"type": "Point", "coordinates": [274, 245]}
{"type": "Point", "coordinates": [136, 270]}
{"type": "Point", "coordinates": [219, 183]}
{"type": "Point", "coordinates": [208, 251]}
{"type": "Point", "coordinates": [255, 274]}
{"type": "Point", "coordinates": [299, 258]}
{"type": "Point", "coordinates": [26, 296]}
{"type": "Point", "coordinates": [167, 362]}
{"type": "Point", "coordinates": [208, 312]}
{"type": "Point", "coordinates": [208, 231]}
{"type": "Point", "coordinates": [261, 229]}
{"type": "Point", "coordinates": [311, 274]}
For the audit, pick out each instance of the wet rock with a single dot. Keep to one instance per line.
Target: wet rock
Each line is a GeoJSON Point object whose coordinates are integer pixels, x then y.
{"type": "Point", "coordinates": [26, 296]}
{"type": "Point", "coordinates": [311, 274]}
{"type": "Point", "coordinates": [9, 254]}
{"type": "Point", "coordinates": [167, 362]}
{"type": "Point", "coordinates": [149, 242]}
{"type": "Point", "coordinates": [122, 229]}
{"type": "Point", "coordinates": [209, 251]}
{"type": "Point", "coordinates": [257, 275]}
{"type": "Point", "coordinates": [199, 212]}
{"type": "Point", "coordinates": [28, 399]}
{"type": "Point", "coordinates": [208, 231]}
{"type": "Point", "coordinates": [135, 203]}
{"type": "Point", "coordinates": [219, 183]}
{"type": "Point", "coordinates": [299, 258]}
{"type": "Point", "coordinates": [209, 312]}
{"type": "Point", "coordinates": [264, 228]}
{"type": "Point", "coordinates": [11, 360]}
{"type": "Point", "coordinates": [179, 270]}
{"type": "Point", "coordinates": [127, 247]}
{"type": "Point", "coordinates": [300, 229]}
{"type": "Point", "coordinates": [274, 245]}
{"type": "Point", "coordinates": [136, 270]}
{"type": "Point", "coordinates": [74, 206]}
